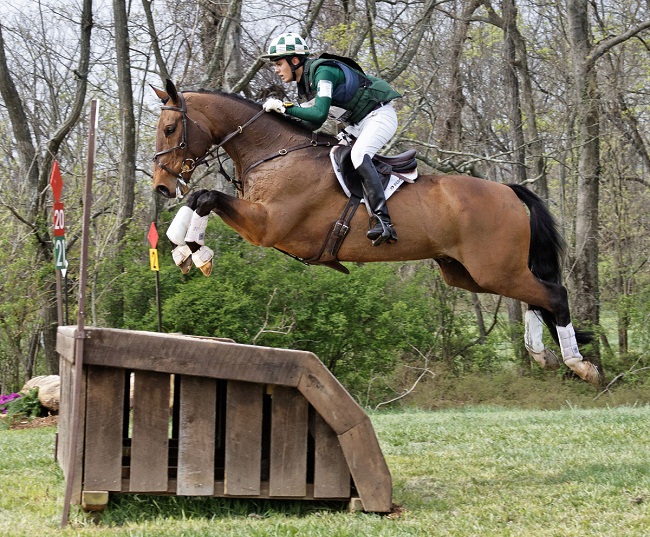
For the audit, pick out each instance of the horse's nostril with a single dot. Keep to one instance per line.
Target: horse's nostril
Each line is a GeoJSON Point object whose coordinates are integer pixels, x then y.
{"type": "Point", "coordinates": [163, 191]}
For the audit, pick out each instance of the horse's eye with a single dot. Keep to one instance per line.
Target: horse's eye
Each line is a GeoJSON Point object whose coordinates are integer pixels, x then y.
{"type": "Point", "coordinates": [169, 130]}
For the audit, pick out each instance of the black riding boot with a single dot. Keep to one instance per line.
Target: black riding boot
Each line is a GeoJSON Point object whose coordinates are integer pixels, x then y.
{"type": "Point", "coordinates": [373, 192]}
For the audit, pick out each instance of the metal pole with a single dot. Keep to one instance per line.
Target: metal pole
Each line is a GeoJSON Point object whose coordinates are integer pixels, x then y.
{"type": "Point", "coordinates": [80, 333]}
{"type": "Point", "coordinates": [158, 301]}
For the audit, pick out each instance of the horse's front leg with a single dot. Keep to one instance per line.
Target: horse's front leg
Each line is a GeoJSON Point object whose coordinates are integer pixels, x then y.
{"type": "Point", "coordinates": [247, 218]}
{"type": "Point", "coordinates": [178, 230]}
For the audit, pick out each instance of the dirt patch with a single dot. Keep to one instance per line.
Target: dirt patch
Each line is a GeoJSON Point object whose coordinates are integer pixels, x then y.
{"type": "Point", "coordinates": [47, 421]}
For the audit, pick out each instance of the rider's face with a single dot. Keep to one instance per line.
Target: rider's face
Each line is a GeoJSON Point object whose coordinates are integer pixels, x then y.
{"type": "Point", "coordinates": [283, 69]}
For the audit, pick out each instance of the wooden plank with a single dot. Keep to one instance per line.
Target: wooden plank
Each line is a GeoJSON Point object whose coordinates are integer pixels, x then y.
{"type": "Point", "coordinates": [331, 473]}
{"type": "Point", "coordinates": [289, 430]}
{"type": "Point", "coordinates": [67, 373]}
{"type": "Point", "coordinates": [329, 398]}
{"type": "Point", "coordinates": [104, 412]}
{"type": "Point", "coordinates": [65, 342]}
{"type": "Point", "coordinates": [368, 467]}
{"type": "Point", "coordinates": [150, 436]}
{"type": "Point", "coordinates": [170, 353]}
{"type": "Point", "coordinates": [196, 436]}
{"type": "Point", "coordinates": [243, 460]}
{"type": "Point", "coordinates": [64, 422]}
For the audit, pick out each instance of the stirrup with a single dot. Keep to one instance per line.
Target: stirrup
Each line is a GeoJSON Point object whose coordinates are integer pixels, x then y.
{"type": "Point", "coordinates": [382, 232]}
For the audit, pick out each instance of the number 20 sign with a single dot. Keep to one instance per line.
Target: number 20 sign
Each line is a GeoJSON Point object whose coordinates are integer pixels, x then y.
{"type": "Point", "coordinates": [56, 182]}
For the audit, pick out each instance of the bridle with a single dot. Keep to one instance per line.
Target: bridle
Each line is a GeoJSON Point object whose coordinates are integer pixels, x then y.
{"type": "Point", "coordinates": [189, 164]}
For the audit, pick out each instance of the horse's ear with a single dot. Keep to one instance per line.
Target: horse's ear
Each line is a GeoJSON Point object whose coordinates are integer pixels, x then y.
{"type": "Point", "coordinates": [162, 95]}
{"type": "Point", "coordinates": [171, 91]}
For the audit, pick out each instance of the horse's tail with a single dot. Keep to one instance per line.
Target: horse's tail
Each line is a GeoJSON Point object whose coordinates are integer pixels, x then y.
{"type": "Point", "coordinates": [546, 250]}
{"type": "Point", "coordinates": [546, 244]}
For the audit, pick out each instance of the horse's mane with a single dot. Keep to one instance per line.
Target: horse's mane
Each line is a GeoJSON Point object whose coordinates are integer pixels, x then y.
{"type": "Point", "coordinates": [256, 107]}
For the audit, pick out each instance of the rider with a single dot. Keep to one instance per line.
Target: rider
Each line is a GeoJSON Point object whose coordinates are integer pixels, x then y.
{"type": "Point", "coordinates": [338, 87]}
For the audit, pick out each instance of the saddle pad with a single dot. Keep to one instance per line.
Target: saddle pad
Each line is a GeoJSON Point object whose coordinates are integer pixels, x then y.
{"type": "Point", "coordinates": [393, 184]}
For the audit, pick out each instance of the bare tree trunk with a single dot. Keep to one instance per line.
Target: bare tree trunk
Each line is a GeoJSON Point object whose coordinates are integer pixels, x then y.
{"type": "Point", "coordinates": [37, 170]}
{"type": "Point", "coordinates": [511, 82]}
{"type": "Point", "coordinates": [517, 58]}
{"type": "Point", "coordinates": [155, 44]}
{"type": "Point", "coordinates": [221, 37]}
{"type": "Point", "coordinates": [127, 118]}
{"type": "Point", "coordinates": [448, 127]}
{"type": "Point", "coordinates": [585, 274]}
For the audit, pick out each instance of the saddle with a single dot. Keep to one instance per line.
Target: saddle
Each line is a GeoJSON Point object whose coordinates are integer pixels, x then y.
{"type": "Point", "coordinates": [394, 170]}
{"type": "Point", "coordinates": [403, 166]}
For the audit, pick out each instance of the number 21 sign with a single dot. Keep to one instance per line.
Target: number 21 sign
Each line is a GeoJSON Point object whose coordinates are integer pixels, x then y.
{"type": "Point", "coordinates": [56, 182]}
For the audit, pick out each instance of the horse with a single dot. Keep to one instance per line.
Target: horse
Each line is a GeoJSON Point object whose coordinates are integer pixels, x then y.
{"type": "Point", "coordinates": [478, 231]}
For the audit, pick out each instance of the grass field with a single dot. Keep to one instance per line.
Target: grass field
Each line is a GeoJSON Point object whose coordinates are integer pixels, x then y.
{"type": "Point", "coordinates": [473, 472]}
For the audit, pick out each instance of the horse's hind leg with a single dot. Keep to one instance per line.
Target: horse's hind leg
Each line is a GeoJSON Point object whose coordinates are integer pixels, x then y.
{"type": "Point", "coordinates": [554, 300]}
{"type": "Point", "coordinates": [534, 342]}
{"type": "Point", "coordinates": [551, 297]}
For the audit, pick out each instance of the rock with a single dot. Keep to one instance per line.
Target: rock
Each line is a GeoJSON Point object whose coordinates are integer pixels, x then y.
{"type": "Point", "coordinates": [49, 390]}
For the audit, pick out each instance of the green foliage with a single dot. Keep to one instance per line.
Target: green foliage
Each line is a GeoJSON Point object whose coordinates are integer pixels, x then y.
{"type": "Point", "coordinates": [362, 325]}
{"type": "Point", "coordinates": [27, 406]}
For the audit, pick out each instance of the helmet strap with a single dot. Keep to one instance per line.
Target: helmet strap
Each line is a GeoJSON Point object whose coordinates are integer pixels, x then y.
{"type": "Point", "coordinates": [293, 66]}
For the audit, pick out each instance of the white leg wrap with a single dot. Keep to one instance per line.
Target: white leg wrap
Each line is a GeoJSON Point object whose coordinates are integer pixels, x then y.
{"type": "Point", "coordinates": [533, 331]}
{"type": "Point", "coordinates": [178, 228]}
{"type": "Point", "coordinates": [181, 253]}
{"type": "Point", "coordinates": [568, 342]}
{"type": "Point", "coordinates": [196, 230]}
{"type": "Point", "coordinates": [202, 256]}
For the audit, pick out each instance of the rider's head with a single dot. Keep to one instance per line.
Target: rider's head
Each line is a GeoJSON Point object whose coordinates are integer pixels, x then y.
{"type": "Point", "coordinates": [288, 52]}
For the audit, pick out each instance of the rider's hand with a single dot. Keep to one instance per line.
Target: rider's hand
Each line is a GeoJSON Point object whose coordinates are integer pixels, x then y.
{"type": "Point", "coordinates": [274, 105]}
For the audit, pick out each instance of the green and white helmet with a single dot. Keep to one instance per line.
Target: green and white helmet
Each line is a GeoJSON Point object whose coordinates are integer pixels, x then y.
{"type": "Point", "coordinates": [287, 44]}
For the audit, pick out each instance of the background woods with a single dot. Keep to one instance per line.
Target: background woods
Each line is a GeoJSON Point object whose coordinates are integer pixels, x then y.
{"type": "Point", "coordinates": [551, 95]}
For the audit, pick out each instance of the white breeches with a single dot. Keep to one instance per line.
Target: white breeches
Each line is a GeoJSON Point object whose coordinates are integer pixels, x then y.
{"type": "Point", "coordinates": [372, 133]}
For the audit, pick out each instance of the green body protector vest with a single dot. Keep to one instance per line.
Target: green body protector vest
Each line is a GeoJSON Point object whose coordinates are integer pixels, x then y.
{"type": "Point", "coordinates": [360, 94]}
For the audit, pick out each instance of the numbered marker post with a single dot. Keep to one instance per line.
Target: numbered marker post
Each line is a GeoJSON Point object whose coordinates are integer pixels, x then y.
{"type": "Point", "coordinates": [60, 261]}
{"type": "Point", "coordinates": [56, 182]}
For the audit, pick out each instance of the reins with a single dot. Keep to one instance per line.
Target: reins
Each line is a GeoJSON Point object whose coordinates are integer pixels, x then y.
{"type": "Point", "coordinates": [189, 164]}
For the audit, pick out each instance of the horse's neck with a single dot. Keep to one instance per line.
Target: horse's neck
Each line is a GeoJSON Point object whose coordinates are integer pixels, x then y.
{"type": "Point", "coordinates": [258, 140]}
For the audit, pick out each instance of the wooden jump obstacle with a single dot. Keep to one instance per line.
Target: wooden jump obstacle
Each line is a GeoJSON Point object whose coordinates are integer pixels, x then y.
{"type": "Point", "coordinates": [191, 416]}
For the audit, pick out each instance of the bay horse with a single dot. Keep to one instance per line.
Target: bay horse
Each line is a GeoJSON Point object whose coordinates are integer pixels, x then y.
{"type": "Point", "coordinates": [478, 231]}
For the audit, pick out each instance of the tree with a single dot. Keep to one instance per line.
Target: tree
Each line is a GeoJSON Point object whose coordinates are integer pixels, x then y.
{"type": "Point", "coordinates": [36, 167]}
{"type": "Point", "coordinates": [586, 98]}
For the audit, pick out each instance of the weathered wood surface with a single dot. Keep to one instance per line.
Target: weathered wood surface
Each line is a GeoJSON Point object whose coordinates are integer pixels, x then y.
{"type": "Point", "coordinates": [104, 413]}
{"type": "Point", "coordinates": [331, 473]}
{"type": "Point", "coordinates": [65, 440]}
{"type": "Point", "coordinates": [243, 439]}
{"type": "Point", "coordinates": [345, 445]}
{"type": "Point", "coordinates": [150, 437]}
{"type": "Point", "coordinates": [369, 471]}
{"type": "Point", "coordinates": [197, 434]}
{"type": "Point", "coordinates": [289, 431]}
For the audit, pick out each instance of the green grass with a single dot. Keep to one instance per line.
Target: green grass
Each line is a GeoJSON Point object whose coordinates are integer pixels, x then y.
{"type": "Point", "coordinates": [473, 472]}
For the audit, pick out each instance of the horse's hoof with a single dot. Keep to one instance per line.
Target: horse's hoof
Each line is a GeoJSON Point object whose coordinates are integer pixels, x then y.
{"type": "Point", "coordinates": [186, 265]}
{"type": "Point", "coordinates": [585, 370]}
{"type": "Point", "coordinates": [203, 259]}
{"type": "Point", "coordinates": [207, 269]}
{"type": "Point", "coordinates": [547, 359]}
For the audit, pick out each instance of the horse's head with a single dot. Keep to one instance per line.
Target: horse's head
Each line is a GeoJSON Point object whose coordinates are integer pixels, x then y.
{"type": "Point", "coordinates": [181, 144]}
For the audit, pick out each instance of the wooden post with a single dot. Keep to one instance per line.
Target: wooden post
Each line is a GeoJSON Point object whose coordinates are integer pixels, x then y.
{"type": "Point", "coordinates": [80, 334]}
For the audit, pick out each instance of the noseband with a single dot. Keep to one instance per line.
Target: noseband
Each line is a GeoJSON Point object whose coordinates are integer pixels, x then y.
{"type": "Point", "coordinates": [189, 164]}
